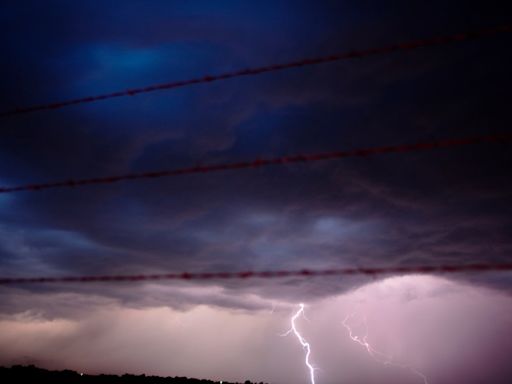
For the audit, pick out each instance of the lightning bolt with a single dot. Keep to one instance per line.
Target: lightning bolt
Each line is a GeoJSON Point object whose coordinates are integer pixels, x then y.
{"type": "Point", "coordinates": [377, 355]}
{"type": "Point", "coordinates": [302, 341]}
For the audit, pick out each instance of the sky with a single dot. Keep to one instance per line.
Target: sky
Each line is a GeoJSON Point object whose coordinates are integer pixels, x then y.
{"type": "Point", "coordinates": [427, 208]}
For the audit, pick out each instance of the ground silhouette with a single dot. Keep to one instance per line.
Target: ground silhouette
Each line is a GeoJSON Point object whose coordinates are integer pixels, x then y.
{"type": "Point", "coordinates": [32, 375]}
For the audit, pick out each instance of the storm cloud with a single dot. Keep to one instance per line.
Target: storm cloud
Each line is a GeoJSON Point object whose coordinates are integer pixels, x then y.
{"type": "Point", "coordinates": [440, 206]}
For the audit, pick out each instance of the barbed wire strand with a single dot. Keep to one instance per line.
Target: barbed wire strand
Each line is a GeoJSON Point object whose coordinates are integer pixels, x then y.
{"type": "Point", "coordinates": [263, 162]}
{"type": "Point", "coordinates": [445, 268]}
{"type": "Point", "coordinates": [353, 54]}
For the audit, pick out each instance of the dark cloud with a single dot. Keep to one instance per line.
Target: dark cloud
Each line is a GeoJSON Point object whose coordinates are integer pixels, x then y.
{"type": "Point", "coordinates": [440, 206]}
{"type": "Point", "coordinates": [447, 205]}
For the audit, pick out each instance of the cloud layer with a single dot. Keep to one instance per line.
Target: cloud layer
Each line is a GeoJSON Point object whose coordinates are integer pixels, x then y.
{"type": "Point", "coordinates": [450, 332]}
{"type": "Point", "coordinates": [442, 206]}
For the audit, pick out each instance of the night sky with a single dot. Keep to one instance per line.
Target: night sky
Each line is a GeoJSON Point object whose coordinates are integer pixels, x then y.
{"type": "Point", "coordinates": [450, 205]}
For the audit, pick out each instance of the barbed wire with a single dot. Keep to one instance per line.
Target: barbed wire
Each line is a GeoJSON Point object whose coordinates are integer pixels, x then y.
{"type": "Point", "coordinates": [353, 54]}
{"type": "Point", "coordinates": [444, 268]}
{"type": "Point", "coordinates": [263, 162]}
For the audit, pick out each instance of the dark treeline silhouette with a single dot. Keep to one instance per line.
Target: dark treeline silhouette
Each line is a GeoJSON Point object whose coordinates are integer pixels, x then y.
{"type": "Point", "coordinates": [32, 375]}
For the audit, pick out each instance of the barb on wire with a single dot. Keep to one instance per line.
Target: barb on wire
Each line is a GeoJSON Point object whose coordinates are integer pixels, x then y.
{"type": "Point", "coordinates": [306, 273]}
{"type": "Point", "coordinates": [302, 158]}
{"type": "Point", "coordinates": [353, 54]}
